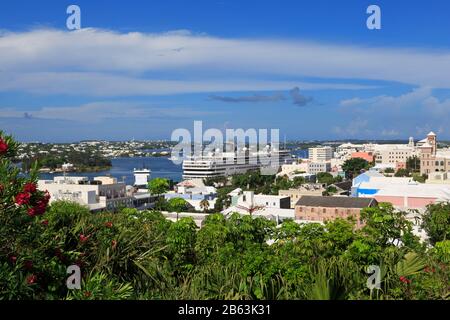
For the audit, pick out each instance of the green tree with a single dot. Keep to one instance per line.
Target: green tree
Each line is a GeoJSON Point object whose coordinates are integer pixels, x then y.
{"type": "Point", "coordinates": [436, 222]}
{"type": "Point", "coordinates": [181, 238]}
{"type": "Point", "coordinates": [158, 186]}
{"type": "Point", "coordinates": [325, 177]}
{"type": "Point", "coordinates": [402, 173]}
{"type": "Point", "coordinates": [413, 164]}
{"type": "Point", "coordinates": [386, 226]}
{"type": "Point", "coordinates": [177, 205]}
{"type": "Point", "coordinates": [353, 167]}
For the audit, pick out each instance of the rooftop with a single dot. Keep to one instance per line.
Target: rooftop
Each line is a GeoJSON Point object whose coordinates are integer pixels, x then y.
{"type": "Point", "coordinates": [335, 202]}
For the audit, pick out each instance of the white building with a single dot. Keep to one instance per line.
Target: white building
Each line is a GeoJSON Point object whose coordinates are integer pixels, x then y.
{"type": "Point", "coordinates": [272, 207]}
{"type": "Point", "coordinates": [141, 177]}
{"type": "Point", "coordinates": [320, 154]}
{"type": "Point", "coordinates": [317, 167]}
{"type": "Point", "coordinates": [101, 193]}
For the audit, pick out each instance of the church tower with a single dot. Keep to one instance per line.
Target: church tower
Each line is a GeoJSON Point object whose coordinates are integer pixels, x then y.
{"type": "Point", "coordinates": [431, 138]}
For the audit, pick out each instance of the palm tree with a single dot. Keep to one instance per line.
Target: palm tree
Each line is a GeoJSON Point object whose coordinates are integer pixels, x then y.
{"type": "Point", "coordinates": [251, 209]}
{"type": "Point", "coordinates": [204, 204]}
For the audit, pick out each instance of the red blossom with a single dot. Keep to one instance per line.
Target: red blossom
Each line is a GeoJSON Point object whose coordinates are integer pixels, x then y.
{"type": "Point", "coordinates": [13, 259]}
{"type": "Point", "coordinates": [23, 198]}
{"type": "Point", "coordinates": [83, 238]}
{"type": "Point", "coordinates": [405, 280]}
{"type": "Point", "coordinates": [114, 244]}
{"type": "Point", "coordinates": [44, 222]}
{"type": "Point", "coordinates": [31, 279]}
{"type": "Point", "coordinates": [31, 212]}
{"type": "Point", "coordinates": [109, 224]}
{"type": "Point", "coordinates": [87, 294]}
{"type": "Point", "coordinates": [3, 147]}
{"type": "Point", "coordinates": [30, 187]}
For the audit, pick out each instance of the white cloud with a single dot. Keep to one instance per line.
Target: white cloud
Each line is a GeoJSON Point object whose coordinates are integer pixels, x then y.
{"type": "Point", "coordinates": [100, 62]}
{"type": "Point", "coordinates": [419, 97]}
{"type": "Point", "coordinates": [111, 84]}
{"type": "Point", "coordinates": [417, 112]}
{"type": "Point", "coordinates": [99, 111]}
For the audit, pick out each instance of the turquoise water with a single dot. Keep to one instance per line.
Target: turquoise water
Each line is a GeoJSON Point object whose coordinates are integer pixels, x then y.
{"type": "Point", "coordinates": [122, 169]}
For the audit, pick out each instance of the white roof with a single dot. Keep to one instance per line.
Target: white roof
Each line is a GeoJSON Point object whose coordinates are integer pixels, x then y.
{"type": "Point", "coordinates": [235, 192]}
{"type": "Point", "coordinates": [431, 133]}
{"type": "Point", "coordinates": [392, 180]}
{"type": "Point", "coordinates": [419, 190]}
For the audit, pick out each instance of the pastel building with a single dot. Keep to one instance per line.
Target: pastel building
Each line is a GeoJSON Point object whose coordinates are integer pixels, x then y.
{"type": "Point", "coordinates": [432, 159]}
{"type": "Point", "coordinates": [402, 193]}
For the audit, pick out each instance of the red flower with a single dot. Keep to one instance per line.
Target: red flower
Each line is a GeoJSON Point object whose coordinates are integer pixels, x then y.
{"type": "Point", "coordinates": [108, 224]}
{"type": "Point", "coordinates": [87, 294]}
{"type": "Point", "coordinates": [30, 187]}
{"type": "Point", "coordinates": [405, 280]}
{"type": "Point", "coordinates": [31, 279]}
{"type": "Point", "coordinates": [23, 198]}
{"type": "Point", "coordinates": [114, 244]}
{"type": "Point", "coordinates": [3, 147]}
{"type": "Point", "coordinates": [1, 188]}
{"type": "Point", "coordinates": [83, 238]}
{"type": "Point", "coordinates": [31, 212]}
{"type": "Point", "coordinates": [44, 222]}
{"type": "Point", "coordinates": [39, 208]}
{"type": "Point", "coordinates": [13, 259]}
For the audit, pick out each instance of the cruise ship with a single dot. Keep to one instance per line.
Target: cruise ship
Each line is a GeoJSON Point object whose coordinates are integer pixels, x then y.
{"type": "Point", "coordinates": [217, 164]}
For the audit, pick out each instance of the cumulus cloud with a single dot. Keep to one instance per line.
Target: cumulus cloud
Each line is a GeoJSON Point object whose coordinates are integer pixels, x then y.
{"type": "Point", "coordinates": [422, 97]}
{"type": "Point", "coordinates": [35, 60]}
{"type": "Point", "coordinates": [417, 111]}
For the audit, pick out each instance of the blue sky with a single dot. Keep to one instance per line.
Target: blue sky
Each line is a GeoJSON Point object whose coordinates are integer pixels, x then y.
{"type": "Point", "coordinates": [141, 69]}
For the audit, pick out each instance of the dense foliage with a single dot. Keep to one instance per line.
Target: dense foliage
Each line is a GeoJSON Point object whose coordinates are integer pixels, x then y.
{"type": "Point", "coordinates": [142, 255]}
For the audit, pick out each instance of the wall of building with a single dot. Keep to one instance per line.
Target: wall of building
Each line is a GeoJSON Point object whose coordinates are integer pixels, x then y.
{"type": "Point", "coordinates": [326, 213]}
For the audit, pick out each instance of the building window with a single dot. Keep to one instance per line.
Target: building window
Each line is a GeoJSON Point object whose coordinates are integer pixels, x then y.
{"type": "Point", "coordinates": [324, 210]}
